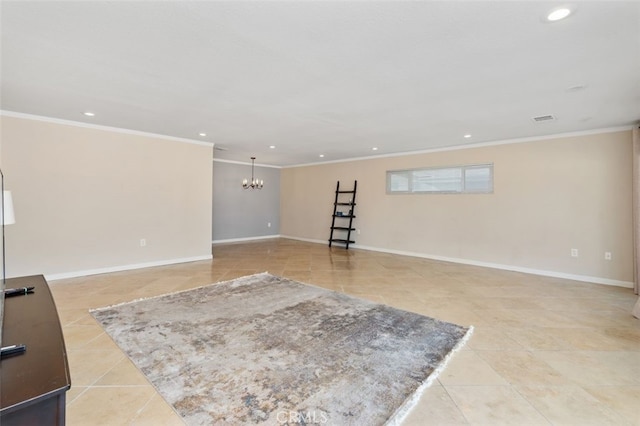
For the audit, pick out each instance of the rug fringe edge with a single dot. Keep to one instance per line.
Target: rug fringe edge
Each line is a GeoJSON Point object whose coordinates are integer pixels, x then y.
{"type": "Point", "coordinates": [403, 412]}
{"type": "Point", "coordinates": [141, 299]}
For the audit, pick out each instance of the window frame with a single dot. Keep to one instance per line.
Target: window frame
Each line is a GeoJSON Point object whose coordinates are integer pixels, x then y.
{"type": "Point", "coordinates": [408, 174]}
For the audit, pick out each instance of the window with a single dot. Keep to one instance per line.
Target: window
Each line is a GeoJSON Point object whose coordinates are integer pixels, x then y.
{"type": "Point", "coordinates": [477, 178]}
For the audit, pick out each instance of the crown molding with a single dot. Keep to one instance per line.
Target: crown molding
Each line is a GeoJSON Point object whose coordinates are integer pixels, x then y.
{"type": "Point", "coordinates": [100, 127]}
{"type": "Point", "coordinates": [473, 145]}
{"type": "Point", "coordinates": [244, 163]}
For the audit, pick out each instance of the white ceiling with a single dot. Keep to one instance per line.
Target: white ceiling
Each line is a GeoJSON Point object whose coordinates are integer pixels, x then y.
{"type": "Point", "coordinates": [327, 77]}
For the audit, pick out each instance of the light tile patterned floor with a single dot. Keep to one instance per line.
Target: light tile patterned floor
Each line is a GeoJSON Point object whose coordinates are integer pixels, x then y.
{"type": "Point", "coordinates": [544, 351]}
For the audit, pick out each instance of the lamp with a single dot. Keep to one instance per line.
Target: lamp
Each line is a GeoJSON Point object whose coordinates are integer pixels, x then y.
{"type": "Point", "coordinates": [6, 216]}
{"type": "Point", "coordinates": [255, 183]}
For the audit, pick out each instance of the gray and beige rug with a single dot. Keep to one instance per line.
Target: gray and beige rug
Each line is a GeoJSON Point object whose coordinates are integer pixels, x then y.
{"type": "Point", "coordinates": [267, 350]}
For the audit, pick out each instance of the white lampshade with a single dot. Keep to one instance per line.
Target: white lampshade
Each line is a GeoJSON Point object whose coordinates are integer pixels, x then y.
{"type": "Point", "coordinates": [9, 218]}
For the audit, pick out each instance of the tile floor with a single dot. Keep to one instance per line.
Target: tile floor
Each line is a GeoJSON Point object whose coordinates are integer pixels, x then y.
{"type": "Point", "coordinates": [544, 350]}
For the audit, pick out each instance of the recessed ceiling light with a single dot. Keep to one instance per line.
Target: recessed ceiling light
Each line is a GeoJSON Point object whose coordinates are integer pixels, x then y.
{"type": "Point", "coordinates": [558, 14]}
{"type": "Point", "coordinates": [272, 146]}
{"type": "Point", "coordinates": [374, 148]}
{"type": "Point", "coordinates": [202, 134]}
{"type": "Point", "coordinates": [89, 114]}
{"type": "Point", "coordinates": [467, 136]}
{"type": "Point", "coordinates": [321, 155]}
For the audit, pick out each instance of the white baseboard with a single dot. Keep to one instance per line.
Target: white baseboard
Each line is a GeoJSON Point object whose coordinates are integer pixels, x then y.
{"type": "Point", "coordinates": [554, 274]}
{"type": "Point", "coordinates": [309, 240]}
{"type": "Point", "coordinates": [120, 268]}
{"type": "Point", "coordinates": [545, 273]}
{"type": "Point", "coordinates": [238, 240]}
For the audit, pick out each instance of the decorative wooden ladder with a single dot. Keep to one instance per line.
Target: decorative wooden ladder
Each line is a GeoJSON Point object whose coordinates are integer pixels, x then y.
{"type": "Point", "coordinates": [341, 215]}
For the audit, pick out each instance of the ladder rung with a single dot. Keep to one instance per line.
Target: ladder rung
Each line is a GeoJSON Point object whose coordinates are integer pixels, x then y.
{"type": "Point", "coordinates": [339, 240]}
{"type": "Point", "coordinates": [344, 215]}
{"type": "Point", "coordinates": [346, 192]}
{"type": "Point", "coordinates": [345, 204]}
{"type": "Point", "coordinates": [343, 228]}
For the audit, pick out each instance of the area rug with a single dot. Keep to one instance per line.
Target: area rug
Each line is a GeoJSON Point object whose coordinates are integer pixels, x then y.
{"type": "Point", "coordinates": [265, 350]}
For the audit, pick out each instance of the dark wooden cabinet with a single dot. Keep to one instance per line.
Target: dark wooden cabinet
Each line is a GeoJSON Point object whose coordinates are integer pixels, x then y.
{"type": "Point", "coordinates": [33, 384]}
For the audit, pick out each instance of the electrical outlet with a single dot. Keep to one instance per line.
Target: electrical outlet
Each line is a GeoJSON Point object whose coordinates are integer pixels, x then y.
{"type": "Point", "coordinates": [607, 255]}
{"type": "Point", "coordinates": [268, 224]}
{"type": "Point", "coordinates": [143, 242]}
{"type": "Point", "coordinates": [358, 231]}
{"type": "Point", "coordinates": [574, 252]}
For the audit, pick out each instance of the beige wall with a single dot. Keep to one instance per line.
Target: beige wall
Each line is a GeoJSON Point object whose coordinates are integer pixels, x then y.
{"type": "Point", "coordinates": [84, 198]}
{"type": "Point", "coordinates": [549, 196]}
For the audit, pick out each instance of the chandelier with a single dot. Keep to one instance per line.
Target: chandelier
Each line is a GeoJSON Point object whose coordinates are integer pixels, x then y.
{"type": "Point", "coordinates": [255, 183]}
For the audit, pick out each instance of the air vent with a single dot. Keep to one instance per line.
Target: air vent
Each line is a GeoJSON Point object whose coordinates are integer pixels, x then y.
{"type": "Point", "coordinates": [543, 118]}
